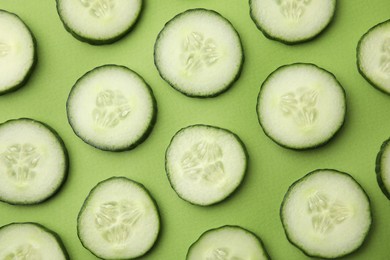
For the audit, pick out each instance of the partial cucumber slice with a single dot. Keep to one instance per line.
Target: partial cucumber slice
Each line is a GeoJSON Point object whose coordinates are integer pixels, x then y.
{"type": "Point", "coordinates": [326, 214]}
{"type": "Point", "coordinates": [33, 161]}
{"type": "Point", "coordinates": [227, 242]}
{"type": "Point", "coordinates": [18, 54]}
{"type": "Point", "coordinates": [373, 56]}
{"type": "Point", "coordinates": [292, 21]}
{"type": "Point", "coordinates": [111, 108]}
{"type": "Point", "coordinates": [383, 168]}
{"type": "Point", "coordinates": [205, 164]}
{"type": "Point", "coordinates": [301, 106]}
{"type": "Point", "coordinates": [30, 241]}
{"type": "Point", "coordinates": [199, 53]}
{"type": "Point", "coordinates": [99, 21]}
{"type": "Point", "coordinates": [119, 220]}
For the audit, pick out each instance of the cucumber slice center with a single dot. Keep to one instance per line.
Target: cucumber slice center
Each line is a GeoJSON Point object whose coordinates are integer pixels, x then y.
{"type": "Point", "coordinates": [99, 9]}
{"type": "Point", "coordinates": [24, 251]}
{"type": "Point", "coordinates": [222, 253]}
{"type": "Point", "coordinates": [293, 10]}
{"type": "Point", "coordinates": [5, 49]}
{"type": "Point", "coordinates": [385, 58]}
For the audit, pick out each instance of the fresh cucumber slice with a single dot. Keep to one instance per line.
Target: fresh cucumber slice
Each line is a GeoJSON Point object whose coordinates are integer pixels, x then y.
{"type": "Point", "coordinates": [373, 56]}
{"type": "Point", "coordinates": [292, 21]}
{"type": "Point", "coordinates": [119, 220]}
{"type": "Point", "coordinates": [18, 54]}
{"type": "Point", "coordinates": [301, 106]}
{"type": "Point", "coordinates": [111, 108]}
{"type": "Point", "coordinates": [199, 53]}
{"type": "Point", "coordinates": [326, 214]}
{"type": "Point", "coordinates": [205, 164]}
{"type": "Point", "coordinates": [383, 168]}
{"type": "Point", "coordinates": [33, 161]}
{"type": "Point", "coordinates": [30, 241]}
{"type": "Point", "coordinates": [227, 242]}
{"type": "Point", "coordinates": [99, 21]}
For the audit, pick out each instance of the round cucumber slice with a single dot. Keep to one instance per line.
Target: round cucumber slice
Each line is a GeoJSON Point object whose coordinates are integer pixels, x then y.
{"type": "Point", "coordinates": [383, 168]}
{"type": "Point", "coordinates": [199, 53]}
{"type": "Point", "coordinates": [205, 164]}
{"type": "Point", "coordinates": [227, 242]}
{"type": "Point", "coordinates": [111, 108]}
{"type": "Point", "coordinates": [99, 21]}
{"type": "Point", "coordinates": [119, 220]}
{"type": "Point", "coordinates": [301, 106]}
{"type": "Point", "coordinates": [292, 21]}
{"type": "Point", "coordinates": [33, 161]}
{"type": "Point", "coordinates": [326, 214]}
{"type": "Point", "coordinates": [18, 54]}
{"type": "Point", "coordinates": [373, 56]}
{"type": "Point", "coordinates": [30, 241]}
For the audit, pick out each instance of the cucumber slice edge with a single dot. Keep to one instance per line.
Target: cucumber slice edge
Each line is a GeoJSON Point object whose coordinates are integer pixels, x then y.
{"type": "Point", "coordinates": [378, 168]}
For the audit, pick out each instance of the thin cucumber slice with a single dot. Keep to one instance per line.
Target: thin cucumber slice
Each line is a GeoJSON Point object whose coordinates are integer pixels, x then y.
{"type": "Point", "coordinates": [373, 56]}
{"type": "Point", "coordinates": [292, 21]}
{"type": "Point", "coordinates": [18, 54]}
{"type": "Point", "coordinates": [227, 242]}
{"type": "Point", "coordinates": [99, 21]}
{"type": "Point", "coordinates": [383, 168]}
{"type": "Point", "coordinates": [301, 106]}
{"type": "Point", "coordinates": [33, 161]}
{"type": "Point", "coordinates": [30, 241]}
{"type": "Point", "coordinates": [326, 214]}
{"type": "Point", "coordinates": [111, 108]}
{"type": "Point", "coordinates": [205, 164]}
{"type": "Point", "coordinates": [199, 53]}
{"type": "Point", "coordinates": [119, 220]}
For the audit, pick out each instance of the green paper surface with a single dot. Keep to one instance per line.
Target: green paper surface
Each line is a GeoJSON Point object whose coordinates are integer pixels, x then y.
{"type": "Point", "coordinates": [272, 169]}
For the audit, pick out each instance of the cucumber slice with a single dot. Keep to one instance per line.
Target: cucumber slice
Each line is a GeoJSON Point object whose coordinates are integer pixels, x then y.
{"type": "Point", "coordinates": [119, 220]}
{"type": "Point", "coordinates": [292, 21]}
{"type": "Point", "coordinates": [205, 164]}
{"type": "Point", "coordinates": [111, 108]}
{"type": "Point", "coordinates": [227, 242]}
{"type": "Point", "coordinates": [18, 54]}
{"type": "Point", "coordinates": [199, 53]}
{"type": "Point", "coordinates": [301, 106]}
{"type": "Point", "coordinates": [30, 241]}
{"type": "Point", "coordinates": [99, 21]}
{"type": "Point", "coordinates": [373, 56]}
{"type": "Point", "coordinates": [326, 214]}
{"type": "Point", "coordinates": [33, 161]}
{"type": "Point", "coordinates": [383, 168]}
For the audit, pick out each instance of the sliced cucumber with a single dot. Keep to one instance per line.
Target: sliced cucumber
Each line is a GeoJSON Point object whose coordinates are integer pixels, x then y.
{"type": "Point", "coordinates": [119, 220]}
{"type": "Point", "coordinates": [383, 168]}
{"type": "Point", "coordinates": [18, 54]}
{"type": "Point", "coordinates": [30, 241]}
{"type": "Point", "coordinates": [373, 56]}
{"type": "Point", "coordinates": [326, 214]}
{"type": "Point", "coordinates": [227, 242]}
{"type": "Point", "coordinates": [292, 21]}
{"type": "Point", "coordinates": [199, 53]}
{"type": "Point", "coordinates": [33, 161]}
{"type": "Point", "coordinates": [111, 108]}
{"type": "Point", "coordinates": [301, 106]}
{"type": "Point", "coordinates": [99, 21]}
{"type": "Point", "coordinates": [205, 164]}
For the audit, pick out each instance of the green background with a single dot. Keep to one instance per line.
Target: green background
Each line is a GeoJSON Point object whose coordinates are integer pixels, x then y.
{"type": "Point", "coordinates": [63, 59]}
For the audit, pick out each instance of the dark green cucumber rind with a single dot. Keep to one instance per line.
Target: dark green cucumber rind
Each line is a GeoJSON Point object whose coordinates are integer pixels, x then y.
{"type": "Point", "coordinates": [47, 230]}
{"type": "Point", "coordinates": [303, 40]}
{"type": "Point", "coordinates": [371, 81]}
{"type": "Point", "coordinates": [33, 64]}
{"type": "Point", "coordinates": [96, 41]}
{"type": "Point", "coordinates": [297, 148]}
{"type": "Point", "coordinates": [145, 190]}
{"type": "Point", "coordinates": [260, 242]}
{"type": "Point", "coordinates": [147, 131]}
{"type": "Point", "coordinates": [192, 95]}
{"type": "Point", "coordinates": [378, 168]}
{"type": "Point", "coordinates": [66, 163]}
{"type": "Point", "coordinates": [286, 198]}
{"type": "Point", "coordinates": [243, 174]}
